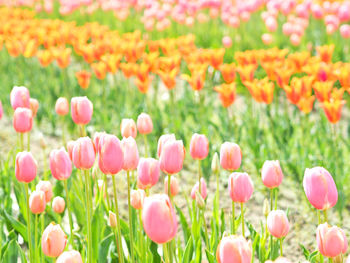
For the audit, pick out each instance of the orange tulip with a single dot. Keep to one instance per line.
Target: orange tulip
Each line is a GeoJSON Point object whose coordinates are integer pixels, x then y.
{"type": "Point", "coordinates": [227, 93]}
{"type": "Point", "coordinates": [246, 72]}
{"type": "Point", "coordinates": [299, 59]}
{"type": "Point", "coordinates": [168, 78]}
{"type": "Point", "coordinates": [228, 72]}
{"type": "Point", "coordinates": [100, 69]}
{"type": "Point", "coordinates": [83, 78]}
{"type": "Point", "coordinates": [325, 53]}
{"type": "Point", "coordinates": [305, 104]}
{"type": "Point", "coordinates": [45, 57]}
{"type": "Point", "coordinates": [323, 90]}
{"type": "Point", "coordinates": [333, 109]}
{"type": "Point", "coordinates": [197, 78]}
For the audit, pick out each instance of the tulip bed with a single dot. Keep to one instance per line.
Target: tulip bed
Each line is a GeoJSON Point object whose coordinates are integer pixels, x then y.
{"type": "Point", "coordinates": [174, 131]}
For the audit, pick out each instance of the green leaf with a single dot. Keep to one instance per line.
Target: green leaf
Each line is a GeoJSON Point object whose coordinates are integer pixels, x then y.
{"type": "Point", "coordinates": [210, 256]}
{"type": "Point", "coordinates": [103, 248]}
{"type": "Point", "coordinates": [184, 224]}
{"type": "Point", "coordinates": [97, 229]}
{"type": "Point", "coordinates": [153, 249]}
{"type": "Point", "coordinates": [12, 252]}
{"type": "Point", "coordinates": [17, 225]}
{"type": "Point", "coordinates": [188, 251]}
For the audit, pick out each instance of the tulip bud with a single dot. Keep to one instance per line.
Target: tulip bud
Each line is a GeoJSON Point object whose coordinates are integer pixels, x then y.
{"type": "Point", "coordinates": [162, 140]}
{"type": "Point", "coordinates": [23, 120]}
{"type": "Point", "coordinates": [234, 247]}
{"type": "Point", "coordinates": [172, 157]}
{"type": "Point", "coordinates": [331, 240]}
{"type": "Point", "coordinates": [144, 123]}
{"type": "Point", "coordinates": [277, 223]}
{"type": "Point", "coordinates": [26, 167]}
{"type": "Point", "coordinates": [53, 240]}
{"type": "Point", "coordinates": [128, 128]}
{"type": "Point", "coordinates": [266, 207]}
{"type": "Point", "coordinates": [81, 110]}
{"type": "Point", "coordinates": [34, 106]}
{"type": "Point", "coordinates": [131, 153]}
{"type": "Point", "coordinates": [37, 202]}
{"type": "Point", "coordinates": [215, 163]}
{"type": "Point", "coordinates": [42, 141]}
{"type": "Point", "coordinates": [199, 146]}
{"type": "Point", "coordinates": [199, 200]}
{"type": "Point", "coordinates": [110, 154]}
{"type": "Point", "coordinates": [62, 106]}
{"type": "Point", "coordinates": [137, 198]}
{"type": "Point", "coordinates": [230, 156]}
{"type": "Point", "coordinates": [46, 187]}
{"type": "Point", "coordinates": [84, 153]}
{"type": "Point", "coordinates": [148, 172]}
{"type": "Point", "coordinates": [70, 147]}
{"type": "Point", "coordinates": [271, 174]}
{"type": "Point", "coordinates": [240, 187]}
{"type": "Point", "coordinates": [20, 97]}
{"type": "Point", "coordinates": [112, 219]}
{"type": "Point", "coordinates": [60, 164]}
{"type": "Point", "coordinates": [196, 188]}
{"type": "Point", "coordinates": [58, 205]}
{"type": "Point", "coordinates": [72, 256]}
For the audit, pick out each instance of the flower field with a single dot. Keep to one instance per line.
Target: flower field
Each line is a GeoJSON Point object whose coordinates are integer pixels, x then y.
{"type": "Point", "coordinates": [174, 131]}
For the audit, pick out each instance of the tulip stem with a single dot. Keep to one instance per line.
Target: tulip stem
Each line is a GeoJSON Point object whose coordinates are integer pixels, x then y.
{"type": "Point", "coordinates": [28, 223]}
{"type": "Point", "coordinates": [146, 145]}
{"type": "Point", "coordinates": [206, 231]}
{"type": "Point", "coordinates": [233, 219]}
{"type": "Point", "coordinates": [330, 260]}
{"type": "Point", "coordinates": [242, 218]}
{"type": "Point", "coordinates": [36, 236]}
{"type": "Point", "coordinates": [276, 196]}
{"type": "Point", "coordinates": [69, 213]}
{"type": "Point", "coordinates": [281, 247]}
{"type": "Point", "coordinates": [119, 242]}
{"type": "Point", "coordinates": [325, 215]}
{"type": "Point", "coordinates": [42, 223]}
{"type": "Point", "coordinates": [106, 192]}
{"type": "Point", "coordinates": [82, 130]}
{"type": "Point", "coordinates": [217, 190]}
{"type": "Point", "coordinates": [165, 253]}
{"type": "Point", "coordinates": [21, 144]}
{"type": "Point", "coordinates": [169, 188]}
{"type": "Point", "coordinates": [271, 199]}
{"type": "Point", "coordinates": [199, 177]}
{"type": "Point", "coordinates": [143, 252]}
{"type": "Point", "coordinates": [88, 217]}
{"type": "Point", "coordinates": [130, 220]}
{"type": "Point", "coordinates": [28, 142]}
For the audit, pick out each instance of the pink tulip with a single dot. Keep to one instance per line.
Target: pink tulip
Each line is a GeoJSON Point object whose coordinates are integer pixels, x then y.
{"type": "Point", "coordinates": [226, 41]}
{"type": "Point", "coordinates": [234, 249]}
{"type": "Point", "coordinates": [60, 164]}
{"type": "Point", "coordinates": [81, 110]}
{"type": "Point", "coordinates": [1, 111]}
{"type": "Point", "coordinates": [58, 205]}
{"type": "Point", "coordinates": [203, 190]}
{"type": "Point", "coordinates": [344, 32]}
{"type": "Point", "coordinates": [271, 24]}
{"type": "Point", "coordinates": [70, 147]}
{"type": "Point", "coordinates": [277, 223]}
{"type": "Point", "coordinates": [72, 256]}
{"type": "Point", "coordinates": [83, 153]}
{"type": "Point", "coordinates": [62, 106]}
{"type": "Point", "coordinates": [331, 240]}
{"type": "Point", "coordinates": [295, 39]}
{"type": "Point", "coordinates": [159, 219]}
{"type": "Point", "coordinates": [174, 186]}
{"type": "Point", "coordinates": [20, 97]}
{"type": "Point", "coordinates": [144, 123]}
{"type": "Point", "coordinates": [128, 128]}
{"type": "Point", "coordinates": [230, 156]}
{"type": "Point", "coordinates": [320, 188]}
{"type": "Point", "coordinates": [162, 140]}
{"type": "Point", "coordinates": [148, 172]}
{"type": "Point", "coordinates": [26, 167]}
{"type": "Point", "coordinates": [240, 187]}
{"type": "Point", "coordinates": [266, 38]}
{"type": "Point", "coordinates": [131, 154]}
{"type": "Point", "coordinates": [46, 187]}
{"type": "Point", "coordinates": [34, 106]}
{"type": "Point", "coordinates": [344, 13]}
{"type": "Point", "coordinates": [37, 202]}
{"type": "Point", "coordinates": [199, 146]}
{"type": "Point", "coordinates": [23, 120]}
{"type": "Point", "coordinates": [110, 154]}
{"type": "Point", "coordinates": [53, 240]}
{"type": "Point", "coordinates": [97, 138]}
{"type": "Point", "coordinates": [137, 198]}
{"type": "Point", "coordinates": [271, 174]}
{"type": "Point", "coordinates": [172, 157]}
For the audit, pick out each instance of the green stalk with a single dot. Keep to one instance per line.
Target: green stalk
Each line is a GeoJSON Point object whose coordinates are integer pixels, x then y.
{"type": "Point", "coordinates": [29, 225]}
{"type": "Point", "coordinates": [36, 248]}
{"type": "Point", "coordinates": [28, 142]}
{"type": "Point", "coordinates": [281, 247]}
{"type": "Point", "coordinates": [325, 216]}
{"type": "Point", "coordinates": [242, 218]}
{"type": "Point", "coordinates": [165, 253]}
{"type": "Point", "coordinates": [69, 213]}
{"type": "Point", "coordinates": [88, 217]}
{"type": "Point", "coordinates": [169, 189]}
{"type": "Point", "coordinates": [21, 144]}
{"type": "Point", "coordinates": [233, 219]}
{"type": "Point", "coordinates": [106, 191]}
{"type": "Point", "coordinates": [271, 199]}
{"type": "Point", "coordinates": [276, 196]}
{"type": "Point", "coordinates": [146, 145]}
{"type": "Point", "coordinates": [42, 225]}
{"type": "Point", "coordinates": [130, 220]}
{"type": "Point", "coordinates": [217, 190]}
{"type": "Point", "coordinates": [143, 252]}
{"type": "Point", "coordinates": [199, 177]}
{"type": "Point", "coordinates": [206, 232]}
{"type": "Point", "coordinates": [118, 234]}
